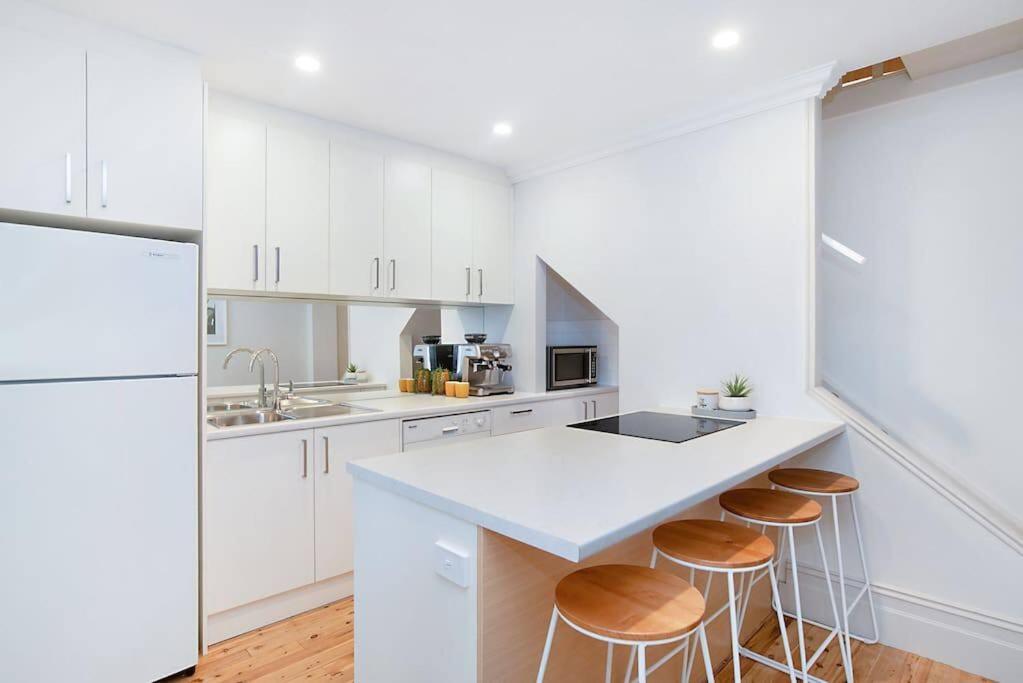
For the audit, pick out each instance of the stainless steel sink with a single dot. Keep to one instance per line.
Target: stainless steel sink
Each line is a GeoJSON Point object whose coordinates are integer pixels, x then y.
{"type": "Point", "coordinates": [327, 410]}
{"type": "Point", "coordinates": [255, 417]}
{"type": "Point", "coordinates": [301, 401]}
{"type": "Point", "coordinates": [224, 406]}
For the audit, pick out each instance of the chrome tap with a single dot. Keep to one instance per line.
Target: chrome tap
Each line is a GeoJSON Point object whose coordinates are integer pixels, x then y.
{"type": "Point", "coordinates": [258, 355]}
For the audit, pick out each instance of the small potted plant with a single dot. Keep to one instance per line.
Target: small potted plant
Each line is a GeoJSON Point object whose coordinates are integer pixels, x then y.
{"type": "Point", "coordinates": [735, 394]}
{"type": "Point", "coordinates": [351, 374]}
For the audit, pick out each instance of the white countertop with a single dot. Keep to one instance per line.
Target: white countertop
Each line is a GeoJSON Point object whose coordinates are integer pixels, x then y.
{"type": "Point", "coordinates": [573, 492]}
{"type": "Point", "coordinates": [398, 405]}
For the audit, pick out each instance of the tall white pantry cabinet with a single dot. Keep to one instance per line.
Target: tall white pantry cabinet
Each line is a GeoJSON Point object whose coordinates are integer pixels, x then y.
{"type": "Point", "coordinates": [91, 134]}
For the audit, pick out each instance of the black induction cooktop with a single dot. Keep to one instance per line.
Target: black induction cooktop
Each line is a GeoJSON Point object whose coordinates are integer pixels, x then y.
{"type": "Point", "coordinates": [658, 426]}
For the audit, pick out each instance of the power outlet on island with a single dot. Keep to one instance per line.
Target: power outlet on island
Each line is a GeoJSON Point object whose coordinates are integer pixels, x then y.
{"type": "Point", "coordinates": [452, 564]}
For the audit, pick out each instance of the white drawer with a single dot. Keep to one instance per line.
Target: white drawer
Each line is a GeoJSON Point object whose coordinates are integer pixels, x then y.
{"type": "Point", "coordinates": [520, 418]}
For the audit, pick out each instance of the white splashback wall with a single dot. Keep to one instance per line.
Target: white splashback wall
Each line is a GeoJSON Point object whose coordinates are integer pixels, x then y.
{"type": "Point", "coordinates": [926, 335]}
{"type": "Point", "coordinates": [572, 320]}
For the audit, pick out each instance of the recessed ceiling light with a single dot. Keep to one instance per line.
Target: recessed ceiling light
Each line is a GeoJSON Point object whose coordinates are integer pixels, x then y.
{"type": "Point", "coordinates": [307, 63]}
{"type": "Point", "coordinates": [723, 40]}
{"type": "Point", "coordinates": [502, 128]}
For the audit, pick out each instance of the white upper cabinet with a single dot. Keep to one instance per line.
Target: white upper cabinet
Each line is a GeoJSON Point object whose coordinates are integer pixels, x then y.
{"type": "Point", "coordinates": [145, 140]}
{"type": "Point", "coordinates": [452, 237]}
{"type": "Point", "coordinates": [235, 204]}
{"type": "Point", "coordinates": [492, 243]}
{"type": "Point", "coordinates": [298, 211]}
{"type": "Point", "coordinates": [42, 125]}
{"type": "Point", "coordinates": [407, 229]}
{"type": "Point", "coordinates": [356, 221]}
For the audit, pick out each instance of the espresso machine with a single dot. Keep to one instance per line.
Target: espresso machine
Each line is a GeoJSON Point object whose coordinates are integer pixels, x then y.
{"type": "Point", "coordinates": [434, 356]}
{"type": "Point", "coordinates": [486, 368]}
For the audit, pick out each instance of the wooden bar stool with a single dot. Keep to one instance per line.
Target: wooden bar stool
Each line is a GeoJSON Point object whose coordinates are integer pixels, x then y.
{"type": "Point", "coordinates": [834, 485]}
{"type": "Point", "coordinates": [623, 604]}
{"type": "Point", "coordinates": [719, 548]}
{"type": "Point", "coordinates": [787, 511]}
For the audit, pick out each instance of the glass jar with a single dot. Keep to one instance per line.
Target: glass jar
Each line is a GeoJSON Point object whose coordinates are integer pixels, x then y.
{"type": "Point", "coordinates": [422, 383]}
{"type": "Point", "coordinates": [441, 376]}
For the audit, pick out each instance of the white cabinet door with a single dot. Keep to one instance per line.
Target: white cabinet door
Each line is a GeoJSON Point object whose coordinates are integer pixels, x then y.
{"type": "Point", "coordinates": [235, 204]}
{"type": "Point", "coordinates": [492, 239]}
{"type": "Point", "coordinates": [42, 125]}
{"type": "Point", "coordinates": [452, 237]}
{"type": "Point", "coordinates": [407, 229]}
{"type": "Point", "coordinates": [145, 140]}
{"type": "Point", "coordinates": [297, 211]}
{"type": "Point", "coordinates": [335, 446]}
{"type": "Point", "coordinates": [568, 410]}
{"type": "Point", "coordinates": [258, 517]}
{"type": "Point", "coordinates": [604, 405]}
{"type": "Point", "coordinates": [356, 221]}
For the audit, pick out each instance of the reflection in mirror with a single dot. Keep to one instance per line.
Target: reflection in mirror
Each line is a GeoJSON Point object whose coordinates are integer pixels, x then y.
{"type": "Point", "coordinates": [316, 342]}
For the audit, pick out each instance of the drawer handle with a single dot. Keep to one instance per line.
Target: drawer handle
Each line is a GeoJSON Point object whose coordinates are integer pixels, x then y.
{"type": "Point", "coordinates": [522, 412]}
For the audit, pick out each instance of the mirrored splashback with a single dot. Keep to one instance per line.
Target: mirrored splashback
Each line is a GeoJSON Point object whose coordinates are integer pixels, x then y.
{"type": "Point", "coordinates": [316, 342]}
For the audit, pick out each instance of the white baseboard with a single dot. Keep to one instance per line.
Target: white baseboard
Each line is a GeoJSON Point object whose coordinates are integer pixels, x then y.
{"type": "Point", "coordinates": [984, 644]}
{"type": "Point", "coordinates": [233, 622]}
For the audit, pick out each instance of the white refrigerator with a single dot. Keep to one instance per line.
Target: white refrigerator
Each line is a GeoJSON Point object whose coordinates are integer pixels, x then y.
{"type": "Point", "coordinates": [99, 434]}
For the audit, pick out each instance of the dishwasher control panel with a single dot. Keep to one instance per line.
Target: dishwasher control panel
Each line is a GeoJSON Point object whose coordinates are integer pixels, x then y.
{"type": "Point", "coordinates": [446, 427]}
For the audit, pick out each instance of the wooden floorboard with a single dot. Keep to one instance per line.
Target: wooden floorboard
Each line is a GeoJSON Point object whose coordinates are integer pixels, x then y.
{"type": "Point", "coordinates": [319, 646]}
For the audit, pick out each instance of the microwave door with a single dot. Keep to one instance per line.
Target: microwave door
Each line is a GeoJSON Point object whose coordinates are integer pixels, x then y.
{"type": "Point", "coordinates": [571, 367]}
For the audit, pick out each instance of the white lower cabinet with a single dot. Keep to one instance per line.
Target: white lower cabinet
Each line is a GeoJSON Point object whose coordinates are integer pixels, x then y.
{"type": "Point", "coordinates": [335, 446]}
{"type": "Point", "coordinates": [278, 509]}
{"type": "Point", "coordinates": [553, 413]}
{"type": "Point", "coordinates": [258, 517]}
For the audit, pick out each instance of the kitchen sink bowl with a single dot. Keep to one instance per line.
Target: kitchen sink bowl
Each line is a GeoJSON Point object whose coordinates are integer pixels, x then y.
{"type": "Point", "coordinates": [224, 406]}
{"type": "Point", "coordinates": [255, 417]}
{"type": "Point", "coordinates": [327, 411]}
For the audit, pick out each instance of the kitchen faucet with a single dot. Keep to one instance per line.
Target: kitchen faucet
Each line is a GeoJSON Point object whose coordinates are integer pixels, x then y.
{"type": "Point", "coordinates": [258, 355]}
{"type": "Point", "coordinates": [253, 357]}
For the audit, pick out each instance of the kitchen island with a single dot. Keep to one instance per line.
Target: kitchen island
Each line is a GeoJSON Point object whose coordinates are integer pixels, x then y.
{"type": "Point", "coordinates": [458, 548]}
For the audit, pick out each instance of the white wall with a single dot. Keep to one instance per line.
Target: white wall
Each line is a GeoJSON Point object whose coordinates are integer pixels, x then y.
{"type": "Point", "coordinates": [699, 248]}
{"type": "Point", "coordinates": [925, 336]}
{"type": "Point", "coordinates": [374, 340]}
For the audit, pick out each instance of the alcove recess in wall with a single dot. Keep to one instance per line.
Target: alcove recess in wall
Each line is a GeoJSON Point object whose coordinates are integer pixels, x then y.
{"type": "Point", "coordinates": [573, 320]}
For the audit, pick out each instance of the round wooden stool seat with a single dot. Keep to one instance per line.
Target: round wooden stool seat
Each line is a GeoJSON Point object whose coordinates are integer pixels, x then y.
{"type": "Point", "coordinates": [813, 481]}
{"type": "Point", "coordinates": [768, 505]}
{"type": "Point", "coordinates": [629, 603]}
{"type": "Point", "coordinates": [710, 543]}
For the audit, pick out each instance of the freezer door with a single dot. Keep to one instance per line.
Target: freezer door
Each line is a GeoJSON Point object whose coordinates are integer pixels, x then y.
{"type": "Point", "coordinates": [99, 501]}
{"type": "Point", "coordinates": [82, 305]}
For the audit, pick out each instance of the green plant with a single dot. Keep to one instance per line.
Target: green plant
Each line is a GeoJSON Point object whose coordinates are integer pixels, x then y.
{"type": "Point", "coordinates": [737, 387]}
{"type": "Point", "coordinates": [352, 367]}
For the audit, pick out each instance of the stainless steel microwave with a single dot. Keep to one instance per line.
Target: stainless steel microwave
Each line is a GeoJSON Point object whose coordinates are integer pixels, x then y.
{"type": "Point", "coordinates": [571, 366]}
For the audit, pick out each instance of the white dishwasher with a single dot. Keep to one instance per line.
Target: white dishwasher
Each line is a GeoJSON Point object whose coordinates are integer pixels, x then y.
{"type": "Point", "coordinates": [427, 432]}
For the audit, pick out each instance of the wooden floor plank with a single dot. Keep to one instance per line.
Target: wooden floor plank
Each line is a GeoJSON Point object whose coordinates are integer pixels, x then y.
{"type": "Point", "coordinates": [319, 646]}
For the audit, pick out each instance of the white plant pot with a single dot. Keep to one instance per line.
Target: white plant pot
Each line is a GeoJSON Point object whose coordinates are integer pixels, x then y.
{"type": "Point", "coordinates": [350, 377]}
{"type": "Point", "coordinates": [736, 403]}
{"type": "Point", "coordinates": [362, 376]}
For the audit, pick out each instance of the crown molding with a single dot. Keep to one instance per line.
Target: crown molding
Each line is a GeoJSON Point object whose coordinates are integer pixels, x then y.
{"type": "Point", "coordinates": [811, 83]}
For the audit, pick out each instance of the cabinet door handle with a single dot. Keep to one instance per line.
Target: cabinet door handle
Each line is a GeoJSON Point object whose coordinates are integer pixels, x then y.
{"type": "Point", "coordinates": [326, 455]}
{"type": "Point", "coordinates": [522, 412]}
{"type": "Point", "coordinates": [394, 274]}
{"type": "Point", "coordinates": [594, 408]}
{"type": "Point", "coordinates": [277, 267]}
{"type": "Point", "coordinates": [67, 178]}
{"type": "Point", "coordinates": [586, 410]}
{"type": "Point", "coordinates": [376, 273]}
{"type": "Point", "coordinates": [305, 458]}
{"type": "Point", "coordinates": [103, 184]}
{"type": "Point", "coordinates": [255, 263]}
{"type": "Point", "coordinates": [481, 281]}
{"type": "Point", "coordinates": [468, 280]}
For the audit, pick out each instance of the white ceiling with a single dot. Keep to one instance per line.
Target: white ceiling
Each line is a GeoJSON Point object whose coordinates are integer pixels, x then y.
{"type": "Point", "coordinates": [570, 75]}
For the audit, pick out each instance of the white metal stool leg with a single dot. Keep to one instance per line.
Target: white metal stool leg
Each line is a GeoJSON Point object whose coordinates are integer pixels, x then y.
{"type": "Point", "coordinates": [841, 586]}
{"type": "Point", "coordinates": [733, 620]}
{"type": "Point", "coordinates": [799, 606]}
{"type": "Point", "coordinates": [846, 658]}
{"type": "Point", "coordinates": [547, 646]}
{"type": "Point", "coordinates": [866, 578]}
{"type": "Point", "coordinates": [610, 659]}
